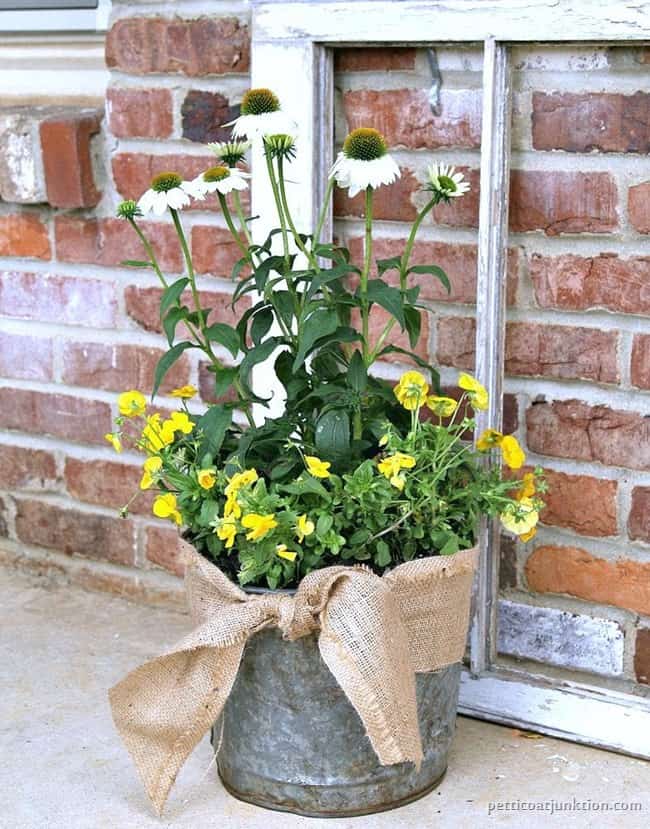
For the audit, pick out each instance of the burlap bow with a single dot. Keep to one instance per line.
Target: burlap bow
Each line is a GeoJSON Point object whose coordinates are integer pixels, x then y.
{"type": "Point", "coordinates": [375, 634]}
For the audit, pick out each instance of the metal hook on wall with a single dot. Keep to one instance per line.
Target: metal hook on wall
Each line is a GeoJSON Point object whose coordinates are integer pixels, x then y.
{"type": "Point", "coordinates": [436, 82]}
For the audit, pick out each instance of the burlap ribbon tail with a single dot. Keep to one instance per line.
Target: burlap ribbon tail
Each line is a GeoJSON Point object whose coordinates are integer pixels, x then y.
{"type": "Point", "coordinates": [375, 633]}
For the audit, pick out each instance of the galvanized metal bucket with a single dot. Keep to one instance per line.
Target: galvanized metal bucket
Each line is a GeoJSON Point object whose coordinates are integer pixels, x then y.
{"type": "Point", "coordinates": [289, 739]}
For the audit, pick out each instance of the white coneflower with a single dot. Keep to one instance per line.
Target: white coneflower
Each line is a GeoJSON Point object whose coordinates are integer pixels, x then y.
{"type": "Point", "coordinates": [364, 162]}
{"type": "Point", "coordinates": [280, 146]}
{"type": "Point", "coordinates": [220, 179]}
{"type": "Point", "coordinates": [446, 182]}
{"type": "Point", "coordinates": [231, 153]}
{"type": "Point", "coordinates": [261, 115]}
{"type": "Point", "coordinates": [167, 190]}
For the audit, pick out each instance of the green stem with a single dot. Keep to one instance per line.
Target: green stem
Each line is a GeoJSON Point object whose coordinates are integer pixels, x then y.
{"type": "Point", "coordinates": [411, 240]}
{"type": "Point", "coordinates": [285, 206]}
{"type": "Point", "coordinates": [278, 204]}
{"type": "Point", "coordinates": [363, 283]}
{"type": "Point", "coordinates": [240, 214]}
{"type": "Point", "coordinates": [323, 211]}
{"type": "Point", "coordinates": [146, 244]}
{"type": "Point", "coordinates": [231, 225]}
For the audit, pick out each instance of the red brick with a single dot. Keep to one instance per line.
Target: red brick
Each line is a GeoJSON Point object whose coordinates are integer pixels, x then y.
{"type": "Point", "coordinates": [206, 387]}
{"type": "Point", "coordinates": [638, 206]}
{"type": "Point", "coordinates": [117, 367]}
{"type": "Point", "coordinates": [132, 173]}
{"type": "Point", "coordinates": [457, 260]}
{"type": "Point", "coordinates": [74, 532]}
{"type": "Point", "coordinates": [572, 429]}
{"type": "Point", "coordinates": [140, 113]}
{"type": "Point", "coordinates": [107, 483]}
{"type": "Point", "coordinates": [24, 234]}
{"type": "Point", "coordinates": [111, 241]}
{"type": "Point", "coordinates": [60, 415]}
{"type": "Point", "coordinates": [640, 365]}
{"type": "Point", "coordinates": [580, 123]}
{"type": "Point", "coordinates": [394, 203]}
{"type": "Point", "coordinates": [67, 158]}
{"type": "Point", "coordinates": [404, 116]}
{"type": "Point", "coordinates": [204, 114]}
{"type": "Point", "coordinates": [563, 202]}
{"type": "Point", "coordinates": [214, 250]}
{"type": "Point", "coordinates": [462, 211]}
{"type": "Point", "coordinates": [581, 503]}
{"type": "Point", "coordinates": [536, 350]}
{"type": "Point", "coordinates": [576, 572]}
{"type": "Point", "coordinates": [143, 305]}
{"type": "Point", "coordinates": [642, 647]}
{"type": "Point", "coordinates": [375, 59]}
{"type": "Point", "coordinates": [203, 46]}
{"type": "Point", "coordinates": [580, 283]}
{"type": "Point", "coordinates": [25, 358]}
{"type": "Point", "coordinates": [163, 547]}
{"type": "Point", "coordinates": [24, 468]}
{"type": "Point", "coordinates": [62, 299]}
{"type": "Point", "coordinates": [638, 524]}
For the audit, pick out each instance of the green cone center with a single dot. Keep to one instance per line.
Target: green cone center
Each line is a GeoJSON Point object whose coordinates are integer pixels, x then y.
{"type": "Point", "coordinates": [365, 144]}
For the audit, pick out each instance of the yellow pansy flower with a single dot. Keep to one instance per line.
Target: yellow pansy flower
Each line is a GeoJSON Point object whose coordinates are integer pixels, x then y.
{"type": "Point", "coordinates": [259, 525]}
{"type": "Point", "coordinates": [478, 396]}
{"type": "Point", "coordinates": [131, 403]}
{"type": "Point", "coordinates": [527, 489]}
{"type": "Point", "coordinates": [207, 478]}
{"type": "Point", "coordinates": [156, 435]}
{"type": "Point", "coordinates": [513, 454]}
{"type": "Point", "coordinates": [165, 507]}
{"type": "Point", "coordinates": [528, 517]}
{"type": "Point", "coordinates": [227, 530]}
{"type": "Point", "coordinates": [150, 466]}
{"type": "Point", "coordinates": [282, 551]}
{"type": "Point", "coordinates": [185, 392]}
{"type": "Point", "coordinates": [231, 507]}
{"type": "Point", "coordinates": [180, 422]}
{"type": "Point", "coordinates": [391, 466]}
{"type": "Point", "coordinates": [114, 441]}
{"type": "Point", "coordinates": [317, 467]}
{"type": "Point", "coordinates": [304, 527]}
{"type": "Point", "coordinates": [240, 479]}
{"type": "Point", "coordinates": [488, 440]}
{"type": "Point", "coordinates": [412, 390]}
{"type": "Point", "coordinates": [442, 406]}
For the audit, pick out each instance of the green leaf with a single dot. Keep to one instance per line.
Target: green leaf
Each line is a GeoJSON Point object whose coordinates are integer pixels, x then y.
{"type": "Point", "coordinates": [172, 293]}
{"type": "Point", "coordinates": [262, 322]}
{"type": "Point", "coordinates": [382, 555]}
{"type": "Point", "coordinates": [173, 317]}
{"type": "Point", "coordinates": [225, 335]}
{"type": "Point", "coordinates": [135, 263]}
{"type": "Point", "coordinates": [332, 435]}
{"type": "Point", "coordinates": [384, 265]}
{"type": "Point", "coordinates": [261, 273]}
{"type": "Point", "coordinates": [310, 485]}
{"type": "Point", "coordinates": [357, 373]}
{"type": "Point", "coordinates": [214, 425]}
{"type": "Point", "coordinates": [413, 324]}
{"type": "Point", "coordinates": [321, 323]}
{"type": "Point", "coordinates": [237, 268]}
{"type": "Point", "coordinates": [257, 355]}
{"type": "Point", "coordinates": [283, 303]}
{"type": "Point", "coordinates": [166, 362]}
{"type": "Point", "coordinates": [389, 298]}
{"type": "Point", "coordinates": [434, 270]}
{"type": "Point", "coordinates": [224, 378]}
{"type": "Point", "coordinates": [324, 525]}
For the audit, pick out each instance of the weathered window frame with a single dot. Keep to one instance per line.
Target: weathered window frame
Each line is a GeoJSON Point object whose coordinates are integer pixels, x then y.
{"type": "Point", "coordinates": [292, 51]}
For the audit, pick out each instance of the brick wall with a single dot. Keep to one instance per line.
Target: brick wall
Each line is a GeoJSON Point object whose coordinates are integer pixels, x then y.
{"type": "Point", "coordinates": [578, 340]}
{"type": "Point", "coordinates": [76, 328]}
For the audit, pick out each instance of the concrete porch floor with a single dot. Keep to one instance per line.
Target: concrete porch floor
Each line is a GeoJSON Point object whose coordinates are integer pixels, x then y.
{"type": "Point", "coordinates": [63, 767]}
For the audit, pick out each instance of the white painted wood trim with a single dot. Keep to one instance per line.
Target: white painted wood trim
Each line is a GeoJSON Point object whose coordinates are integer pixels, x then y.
{"type": "Point", "coordinates": [490, 316]}
{"type": "Point", "coordinates": [582, 714]}
{"type": "Point", "coordinates": [436, 21]}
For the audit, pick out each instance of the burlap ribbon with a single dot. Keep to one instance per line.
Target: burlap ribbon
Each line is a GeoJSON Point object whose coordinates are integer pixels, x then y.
{"type": "Point", "coordinates": [375, 634]}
